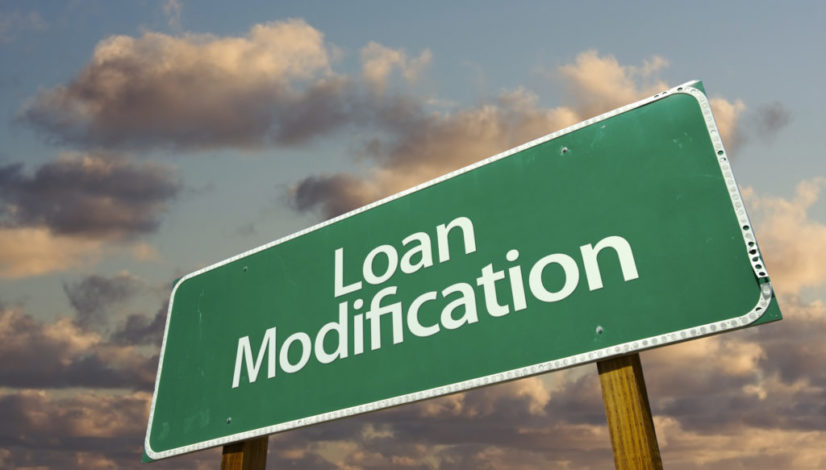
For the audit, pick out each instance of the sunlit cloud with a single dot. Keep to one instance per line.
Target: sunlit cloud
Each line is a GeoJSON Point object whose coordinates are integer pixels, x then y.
{"type": "Point", "coordinates": [745, 447]}
{"type": "Point", "coordinates": [195, 91]}
{"type": "Point", "coordinates": [421, 145]}
{"type": "Point", "coordinates": [378, 62]}
{"type": "Point", "coordinates": [600, 83]}
{"type": "Point", "coordinates": [790, 239]}
{"type": "Point", "coordinates": [727, 116]}
{"type": "Point", "coordinates": [26, 252]}
{"type": "Point", "coordinates": [413, 144]}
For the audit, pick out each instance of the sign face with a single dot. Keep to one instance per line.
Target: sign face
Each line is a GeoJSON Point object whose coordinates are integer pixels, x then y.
{"type": "Point", "coordinates": [621, 233]}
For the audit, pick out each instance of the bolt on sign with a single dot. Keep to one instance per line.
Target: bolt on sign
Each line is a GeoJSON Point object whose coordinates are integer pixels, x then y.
{"type": "Point", "coordinates": [621, 233]}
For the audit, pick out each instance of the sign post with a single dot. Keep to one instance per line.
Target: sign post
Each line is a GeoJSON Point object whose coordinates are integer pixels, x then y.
{"type": "Point", "coordinates": [621, 233]}
{"type": "Point", "coordinates": [629, 414]}
{"type": "Point", "coordinates": [245, 455]}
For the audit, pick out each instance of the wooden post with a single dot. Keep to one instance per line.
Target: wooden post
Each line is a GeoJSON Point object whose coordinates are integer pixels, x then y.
{"type": "Point", "coordinates": [629, 414]}
{"type": "Point", "coordinates": [246, 455]}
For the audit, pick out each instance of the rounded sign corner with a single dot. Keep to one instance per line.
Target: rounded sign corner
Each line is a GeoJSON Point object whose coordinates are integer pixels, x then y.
{"type": "Point", "coordinates": [149, 455]}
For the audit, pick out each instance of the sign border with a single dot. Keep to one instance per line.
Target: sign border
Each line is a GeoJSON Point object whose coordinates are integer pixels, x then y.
{"type": "Point", "coordinates": [750, 243]}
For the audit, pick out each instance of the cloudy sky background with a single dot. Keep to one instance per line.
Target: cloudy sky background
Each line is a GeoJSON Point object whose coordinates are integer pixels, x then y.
{"type": "Point", "coordinates": [143, 140]}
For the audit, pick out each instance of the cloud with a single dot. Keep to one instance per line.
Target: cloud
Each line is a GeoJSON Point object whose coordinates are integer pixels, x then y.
{"type": "Point", "coordinates": [769, 119]}
{"type": "Point", "coordinates": [89, 196]}
{"type": "Point", "coordinates": [196, 91]}
{"type": "Point", "coordinates": [743, 447]}
{"type": "Point", "coordinates": [142, 251]}
{"type": "Point", "coordinates": [413, 145]}
{"type": "Point", "coordinates": [789, 239]}
{"type": "Point", "coordinates": [94, 414]}
{"type": "Point", "coordinates": [528, 396]}
{"type": "Point", "coordinates": [67, 213]}
{"type": "Point", "coordinates": [740, 126]}
{"type": "Point", "coordinates": [61, 354]}
{"type": "Point", "coordinates": [82, 430]}
{"type": "Point", "coordinates": [139, 330]}
{"type": "Point", "coordinates": [95, 294]}
{"type": "Point", "coordinates": [422, 145]}
{"type": "Point", "coordinates": [502, 426]}
{"type": "Point", "coordinates": [758, 379]}
{"type": "Point", "coordinates": [26, 252]}
{"type": "Point", "coordinates": [336, 194]}
{"type": "Point", "coordinates": [276, 86]}
{"type": "Point", "coordinates": [793, 359]}
{"type": "Point", "coordinates": [379, 61]}
{"type": "Point", "coordinates": [601, 83]}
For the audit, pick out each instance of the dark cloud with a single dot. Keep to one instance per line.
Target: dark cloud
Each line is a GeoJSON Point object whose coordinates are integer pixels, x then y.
{"type": "Point", "coordinates": [92, 296]}
{"type": "Point", "coordinates": [90, 429]}
{"type": "Point", "coordinates": [87, 196]}
{"type": "Point", "coordinates": [323, 107]}
{"type": "Point", "coordinates": [768, 119]}
{"type": "Point", "coordinates": [61, 354]}
{"type": "Point", "coordinates": [139, 330]}
{"type": "Point", "coordinates": [502, 426]}
{"type": "Point", "coordinates": [759, 125]}
{"type": "Point", "coordinates": [331, 195]}
{"type": "Point", "coordinates": [807, 328]}
{"type": "Point", "coordinates": [768, 377]}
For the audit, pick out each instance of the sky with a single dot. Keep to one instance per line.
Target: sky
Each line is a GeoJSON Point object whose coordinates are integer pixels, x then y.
{"type": "Point", "coordinates": [143, 140]}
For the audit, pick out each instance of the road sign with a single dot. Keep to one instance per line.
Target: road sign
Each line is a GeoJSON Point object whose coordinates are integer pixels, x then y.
{"type": "Point", "coordinates": [618, 234]}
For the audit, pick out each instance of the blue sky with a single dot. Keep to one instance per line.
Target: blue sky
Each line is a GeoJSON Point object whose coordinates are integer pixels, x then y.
{"type": "Point", "coordinates": [110, 188]}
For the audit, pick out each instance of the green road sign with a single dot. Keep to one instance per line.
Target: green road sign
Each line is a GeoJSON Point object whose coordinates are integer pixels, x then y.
{"type": "Point", "coordinates": [621, 233]}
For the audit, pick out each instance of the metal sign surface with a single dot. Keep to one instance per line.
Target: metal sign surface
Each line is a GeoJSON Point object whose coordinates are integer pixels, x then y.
{"type": "Point", "coordinates": [621, 233]}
